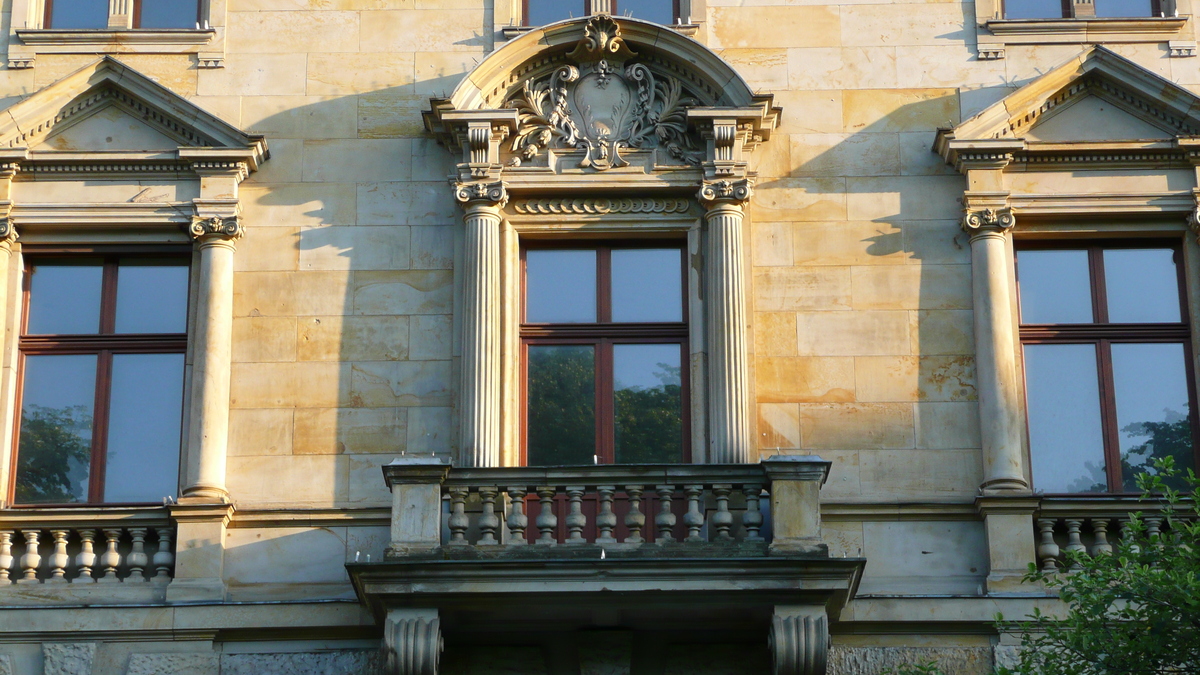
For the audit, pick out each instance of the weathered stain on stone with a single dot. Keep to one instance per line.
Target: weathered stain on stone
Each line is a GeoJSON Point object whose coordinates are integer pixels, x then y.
{"type": "Point", "coordinates": [68, 658]}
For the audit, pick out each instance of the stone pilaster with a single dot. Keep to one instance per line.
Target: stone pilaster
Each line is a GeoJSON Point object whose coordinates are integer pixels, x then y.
{"type": "Point", "coordinates": [1001, 427]}
{"type": "Point", "coordinates": [479, 391]}
{"type": "Point", "coordinates": [730, 429]}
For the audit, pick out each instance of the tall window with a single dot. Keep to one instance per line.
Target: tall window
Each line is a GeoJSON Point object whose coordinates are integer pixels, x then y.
{"type": "Point", "coordinates": [1058, 9]}
{"type": "Point", "coordinates": [93, 14]}
{"type": "Point", "coordinates": [604, 333]}
{"type": "Point", "coordinates": [542, 12]}
{"type": "Point", "coordinates": [1107, 363]}
{"type": "Point", "coordinates": [102, 356]}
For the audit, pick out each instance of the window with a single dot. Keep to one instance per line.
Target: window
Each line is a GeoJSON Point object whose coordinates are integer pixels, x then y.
{"type": "Point", "coordinates": [1108, 383]}
{"type": "Point", "coordinates": [1053, 9]}
{"type": "Point", "coordinates": [101, 377]}
{"type": "Point", "coordinates": [604, 336]}
{"type": "Point", "coordinates": [148, 14]}
{"type": "Point", "coordinates": [542, 12]}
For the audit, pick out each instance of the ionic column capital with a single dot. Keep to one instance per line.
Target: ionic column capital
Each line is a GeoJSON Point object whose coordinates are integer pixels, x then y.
{"type": "Point", "coordinates": [216, 230]}
{"type": "Point", "coordinates": [725, 193]}
{"type": "Point", "coordinates": [1193, 217]}
{"type": "Point", "coordinates": [988, 221]}
{"type": "Point", "coordinates": [481, 195]}
{"type": "Point", "coordinates": [8, 233]}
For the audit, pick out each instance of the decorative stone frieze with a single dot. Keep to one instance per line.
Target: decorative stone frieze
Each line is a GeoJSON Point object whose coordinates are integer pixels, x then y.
{"type": "Point", "coordinates": [601, 206]}
{"type": "Point", "coordinates": [799, 641]}
{"type": "Point", "coordinates": [598, 103]}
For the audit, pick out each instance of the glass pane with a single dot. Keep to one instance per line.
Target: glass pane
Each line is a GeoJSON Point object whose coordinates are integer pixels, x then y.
{"type": "Point", "coordinates": [64, 297]}
{"type": "Point", "coordinates": [152, 296]}
{"type": "Point", "coordinates": [562, 405]}
{"type": "Point", "coordinates": [542, 12]}
{"type": "Point", "coordinates": [1033, 9]}
{"type": "Point", "coordinates": [647, 285]}
{"type": "Point", "coordinates": [658, 11]}
{"type": "Point", "coordinates": [1152, 408]}
{"type": "Point", "coordinates": [144, 418]}
{"type": "Point", "coordinates": [1142, 285]}
{"type": "Point", "coordinates": [168, 14]}
{"type": "Point", "coordinates": [54, 450]}
{"type": "Point", "coordinates": [648, 403]}
{"type": "Point", "coordinates": [1065, 435]}
{"type": "Point", "coordinates": [560, 286]}
{"type": "Point", "coordinates": [1055, 286]}
{"type": "Point", "coordinates": [1119, 8]}
{"type": "Point", "coordinates": [79, 14]}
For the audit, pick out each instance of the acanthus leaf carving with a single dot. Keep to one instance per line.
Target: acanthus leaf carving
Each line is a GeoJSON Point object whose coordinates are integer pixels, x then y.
{"type": "Point", "coordinates": [215, 227]}
{"type": "Point", "coordinates": [989, 220]}
{"type": "Point", "coordinates": [601, 106]}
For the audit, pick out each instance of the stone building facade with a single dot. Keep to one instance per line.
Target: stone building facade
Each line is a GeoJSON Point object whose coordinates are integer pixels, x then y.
{"type": "Point", "coordinates": [295, 296]}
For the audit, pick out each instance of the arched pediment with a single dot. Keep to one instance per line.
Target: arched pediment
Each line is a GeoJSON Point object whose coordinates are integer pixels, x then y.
{"type": "Point", "coordinates": [601, 90]}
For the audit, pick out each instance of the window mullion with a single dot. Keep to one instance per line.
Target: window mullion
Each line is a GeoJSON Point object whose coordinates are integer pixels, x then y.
{"type": "Point", "coordinates": [605, 419]}
{"type": "Point", "coordinates": [100, 425]}
{"type": "Point", "coordinates": [1108, 417]}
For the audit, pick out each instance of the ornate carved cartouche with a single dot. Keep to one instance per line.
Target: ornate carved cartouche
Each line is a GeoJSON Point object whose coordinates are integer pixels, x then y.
{"type": "Point", "coordinates": [602, 106]}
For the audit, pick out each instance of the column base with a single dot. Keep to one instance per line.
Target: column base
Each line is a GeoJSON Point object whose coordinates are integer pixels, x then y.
{"type": "Point", "coordinates": [204, 494]}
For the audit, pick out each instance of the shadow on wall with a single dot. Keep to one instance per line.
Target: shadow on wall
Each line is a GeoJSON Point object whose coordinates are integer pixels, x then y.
{"type": "Point", "coordinates": [342, 353]}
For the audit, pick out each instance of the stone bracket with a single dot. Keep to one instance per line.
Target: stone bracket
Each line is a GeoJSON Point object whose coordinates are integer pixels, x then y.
{"type": "Point", "coordinates": [732, 134]}
{"type": "Point", "coordinates": [412, 642]}
{"type": "Point", "coordinates": [799, 640]}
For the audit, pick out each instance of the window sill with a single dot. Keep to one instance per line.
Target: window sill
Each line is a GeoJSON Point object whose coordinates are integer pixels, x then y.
{"type": "Point", "coordinates": [33, 41]}
{"type": "Point", "coordinates": [511, 32]}
{"type": "Point", "coordinates": [1002, 32]}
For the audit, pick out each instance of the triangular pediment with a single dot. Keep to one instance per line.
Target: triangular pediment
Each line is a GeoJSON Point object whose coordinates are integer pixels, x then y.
{"type": "Point", "coordinates": [108, 106]}
{"type": "Point", "coordinates": [1097, 96]}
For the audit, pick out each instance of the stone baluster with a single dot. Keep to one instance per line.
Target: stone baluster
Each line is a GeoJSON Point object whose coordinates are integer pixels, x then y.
{"type": "Point", "coordinates": [31, 560]}
{"type": "Point", "coordinates": [606, 520]}
{"type": "Point", "coordinates": [111, 558]}
{"type": "Point", "coordinates": [137, 558]}
{"type": "Point", "coordinates": [1074, 543]}
{"type": "Point", "coordinates": [59, 559]}
{"type": "Point", "coordinates": [728, 355]}
{"type": "Point", "coordinates": [1100, 531]}
{"type": "Point", "coordinates": [164, 557]}
{"type": "Point", "coordinates": [723, 518]}
{"type": "Point", "coordinates": [1047, 550]}
{"type": "Point", "coordinates": [1154, 528]}
{"type": "Point", "coordinates": [6, 557]}
{"type": "Point", "coordinates": [458, 521]}
{"type": "Point", "coordinates": [664, 521]}
{"type": "Point", "coordinates": [575, 520]}
{"type": "Point", "coordinates": [479, 400]}
{"type": "Point", "coordinates": [635, 520]}
{"type": "Point", "coordinates": [1001, 425]}
{"type": "Point", "coordinates": [547, 522]}
{"type": "Point", "coordinates": [694, 518]}
{"type": "Point", "coordinates": [753, 518]}
{"type": "Point", "coordinates": [489, 522]}
{"type": "Point", "coordinates": [1127, 533]}
{"type": "Point", "coordinates": [86, 559]}
{"type": "Point", "coordinates": [517, 520]}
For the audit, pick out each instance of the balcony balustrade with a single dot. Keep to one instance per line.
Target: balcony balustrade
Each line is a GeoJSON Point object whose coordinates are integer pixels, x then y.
{"type": "Point", "coordinates": [1090, 526]}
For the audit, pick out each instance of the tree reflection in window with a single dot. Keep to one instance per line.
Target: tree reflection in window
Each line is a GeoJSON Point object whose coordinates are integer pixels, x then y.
{"type": "Point", "coordinates": [54, 454]}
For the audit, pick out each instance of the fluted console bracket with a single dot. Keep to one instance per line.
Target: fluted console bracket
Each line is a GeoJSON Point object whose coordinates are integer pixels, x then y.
{"type": "Point", "coordinates": [412, 642]}
{"type": "Point", "coordinates": [799, 640]}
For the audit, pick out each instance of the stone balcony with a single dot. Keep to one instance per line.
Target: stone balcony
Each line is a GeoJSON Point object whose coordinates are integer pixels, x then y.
{"type": "Point", "coordinates": [711, 549]}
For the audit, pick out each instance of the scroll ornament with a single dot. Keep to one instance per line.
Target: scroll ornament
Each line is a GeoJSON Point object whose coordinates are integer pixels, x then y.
{"type": "Point", "coordinates": [1193, 221]}
{"type": "Point", "coordinates": [602, 106]}
{"type": "Point", "coordinates": [989, 220]}
{"type": "Point", "coordinates": [494, 193]}
{"type": "Point", "coordinates": [8, 231]}
{"type": "Point", "coordinates": [230, 229]}
{"type": "Point", "coordinates": [725, 191]}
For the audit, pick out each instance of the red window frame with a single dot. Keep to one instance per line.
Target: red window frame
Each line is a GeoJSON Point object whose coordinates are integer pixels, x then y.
{"type": "Point", "coordinates": [604, 334]}
{"type": "Point", "coordinates": [137, 15]}
{"type": "Point", "coordinates": [616, 10]}
{"type": "Point", "coordinates": [1156, 8]}
{"type": "Point", "coordinates": [104, 344]}
{"type": "Point", "coordinates": [1103, 335]}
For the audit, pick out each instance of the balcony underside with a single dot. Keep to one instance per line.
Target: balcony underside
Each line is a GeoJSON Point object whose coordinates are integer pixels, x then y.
{"type": "Point", "coordinates": [569, 593]}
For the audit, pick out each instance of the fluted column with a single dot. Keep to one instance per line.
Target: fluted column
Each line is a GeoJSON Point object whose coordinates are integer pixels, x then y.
{"type": "Point", "coordinates": [726, 332]}
{"type": "Point", "coordinates": [479, 391]}
{"type": "Point", "coordinates": [995, 350]}
{"type": "Point", "coordinates": [208, 428]}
